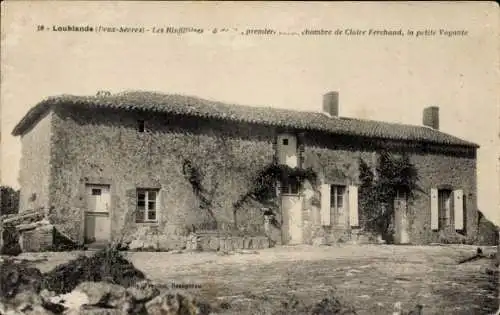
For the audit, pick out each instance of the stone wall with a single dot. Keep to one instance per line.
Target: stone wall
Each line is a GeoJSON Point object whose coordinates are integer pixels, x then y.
{"type": "Point", "coordinates": [34, 174]}
{"type": "Point", "coordinates": [38, 239]}
{"type": "Point", "coordinates": [438, 170]}
{"type": "Point", "coordinates": [336, 160]}
{"type": "Point", "coordinates": [217, 242]}
{"type": "Point", "coordinates": [104, 147]}
{"type": "Point", "coordinates": [335, 164]}
{"type": "Point", "coordinates": [28, 231]}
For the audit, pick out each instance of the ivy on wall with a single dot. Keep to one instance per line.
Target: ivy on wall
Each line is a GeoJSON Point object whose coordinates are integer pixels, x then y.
{"type": "Point", "coordinates": [263, 188]}
{"type": "Point", "coordinates": [264, 185]}
{"type": "Point", "coordinates": [204, 195]}
{"type": "Point", "coordinates": [393, 174]}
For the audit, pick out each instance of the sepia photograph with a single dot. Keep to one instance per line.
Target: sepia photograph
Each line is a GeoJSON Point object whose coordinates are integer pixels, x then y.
{"type": "Point", "coordinates": [249, 158]}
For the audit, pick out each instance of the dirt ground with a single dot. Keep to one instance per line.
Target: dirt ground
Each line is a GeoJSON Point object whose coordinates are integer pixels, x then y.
{"type": "Point", "coordinates": [371, 278]}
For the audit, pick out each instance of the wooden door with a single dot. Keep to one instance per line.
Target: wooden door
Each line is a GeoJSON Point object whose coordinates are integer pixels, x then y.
{"type": "Point", "coordinates": [97, 221]}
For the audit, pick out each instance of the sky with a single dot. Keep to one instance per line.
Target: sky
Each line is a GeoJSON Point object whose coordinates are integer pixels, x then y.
{"type": "Point", "coordinates": [388, 78]}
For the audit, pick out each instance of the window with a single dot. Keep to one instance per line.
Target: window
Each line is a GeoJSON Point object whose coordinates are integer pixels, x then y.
{"type": "Point", "coordinates": [290, 187]}
{"type": "Point", "coordinates": [141, 125]}
{"type": "Point", "coordinates": [444, 208]}
{"type": "Point", "coordinates": [147, 205]}
{"type": "Point", "coordinates": [285, 141]}
{"type": "Point", "coordinates": [337, 205]}
{"type": "Point", "coordinates": [96, 192]}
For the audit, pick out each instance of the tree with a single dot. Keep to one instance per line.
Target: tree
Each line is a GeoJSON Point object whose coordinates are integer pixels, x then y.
{"type": "Point", "coordinates": [9, 200]}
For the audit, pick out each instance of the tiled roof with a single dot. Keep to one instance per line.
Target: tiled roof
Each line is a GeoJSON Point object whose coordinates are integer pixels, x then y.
{"type": "Point", "coordinates": [197, 107]}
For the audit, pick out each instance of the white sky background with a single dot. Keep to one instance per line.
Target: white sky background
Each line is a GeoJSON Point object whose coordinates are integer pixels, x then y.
{"type": "Point", "coordinates": [382, 78]}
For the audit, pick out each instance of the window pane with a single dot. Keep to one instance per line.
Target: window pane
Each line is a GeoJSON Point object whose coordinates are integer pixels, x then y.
{"type": "Point", "coordinates": [340, 202]}
{"type": "Point", "coordinates": [152, 195]}
{"type": "Point", "coordinates": [96, 192]}
{"type": "Point", "coordinates": [141, 196]}
{"type": "Point", "coordinates": [141, 204]}
{"type": "Point", "coordinates": [284, 189]}
{"type": "Point", "coordinates": [151, 215]}
{"type": "Point", "coordinates": [151, 205]}
{"type": "Point", "coordinates": [139, 216]}
{"type": "Point", "coordinates": [341, 190]}
{"type": "Point", "coordinates": [340, 197]}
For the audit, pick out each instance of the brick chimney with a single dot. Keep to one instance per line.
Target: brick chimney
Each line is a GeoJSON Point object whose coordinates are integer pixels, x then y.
{"type": "Point", "coordinates": [431, 117]}
{"type": "Point", "coordinates": [331, 104]}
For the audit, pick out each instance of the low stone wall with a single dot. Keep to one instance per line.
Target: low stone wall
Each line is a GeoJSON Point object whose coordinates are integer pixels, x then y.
{"type": "Point", "coordinates": [347, 236]}
{"type": "Point", "coordinates": [38, 239]}
{"type": "Point", "coordinates": [155, 242]}
{"type": "Point", "coordinates": [30, 231]}
{"type": "Point", "coordinates": [214, 242]}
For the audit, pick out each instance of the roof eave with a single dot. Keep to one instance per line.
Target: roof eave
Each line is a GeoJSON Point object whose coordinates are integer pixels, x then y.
{"type": "Point", "coordinates": [31, 117]}
{"type": "Point", "coordinates": [34, 114]}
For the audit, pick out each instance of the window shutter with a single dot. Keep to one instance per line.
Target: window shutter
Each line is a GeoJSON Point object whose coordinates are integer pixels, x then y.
{"type": "Point", "coordinates": [353, 206]}
{"type": "Point", "coordinates": [434, 209]}
{"type": "Point", "coordinates": [325, 204]}
{"type": "Point", "coordinates": [458, 207]}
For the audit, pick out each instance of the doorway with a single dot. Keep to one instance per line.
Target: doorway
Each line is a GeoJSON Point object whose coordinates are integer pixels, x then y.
{"type": "Point", "coordinates": [401, 224]}
{"type": "Point", "coordinates": [291, 206]}
{"type": "Point", "coordinates": [97, 221]}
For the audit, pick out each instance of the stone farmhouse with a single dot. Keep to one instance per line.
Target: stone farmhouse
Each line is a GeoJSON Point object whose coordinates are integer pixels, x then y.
{"type": "Point", "coordinates": [118, 167]}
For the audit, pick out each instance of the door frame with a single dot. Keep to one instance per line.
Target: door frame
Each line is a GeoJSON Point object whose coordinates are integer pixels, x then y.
{"type": "Point", "coordinates": [87, 188]}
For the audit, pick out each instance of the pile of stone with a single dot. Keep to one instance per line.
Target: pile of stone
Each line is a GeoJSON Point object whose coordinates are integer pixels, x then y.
{"type": "Point", "coordinates": [105, 283]}
{"type": "Point", "coordinates": [16, 277]}
{"type": "Point", "coordinates": [103, 298]}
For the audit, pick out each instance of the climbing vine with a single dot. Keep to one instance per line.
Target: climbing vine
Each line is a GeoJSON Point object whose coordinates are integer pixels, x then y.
{"type": "Point", "coordinates": [204, 195]}
{"type": "Point", "coordinates": [379, 187]}
{"type": "Point", "coordinates": [263, 188]}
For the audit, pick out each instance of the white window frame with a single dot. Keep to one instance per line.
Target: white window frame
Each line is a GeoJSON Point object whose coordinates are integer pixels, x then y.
{"type": "Point", "coordinates": [335, 213]}
{"type": "Point", "coordinates": [444, 208]}
{"type": "Point", "coordinates": [145, 212]}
